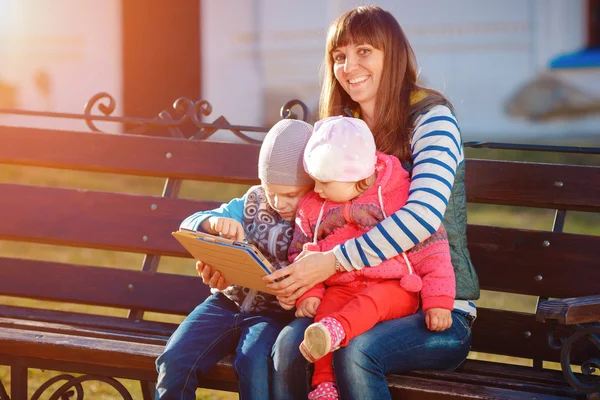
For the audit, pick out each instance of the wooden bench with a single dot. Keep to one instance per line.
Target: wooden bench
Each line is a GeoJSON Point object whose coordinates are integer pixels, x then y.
{"type": "Point", "coordinates": [103, 346]}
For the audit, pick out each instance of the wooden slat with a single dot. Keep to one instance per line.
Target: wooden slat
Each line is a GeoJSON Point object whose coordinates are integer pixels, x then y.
{"type": "Point", "coordinates": [509, 260]}
{"type": "Point", "coordinates": [519, 335]}
{"type": "Point", "coordinates": [520, 372]}
{"type": "Point", "coordinates": [533, 185]}
{"type": "Point", "coordinates": [220, 377]}
{"type": "Point", "coordinates": [417, 388]}
{"type": "Point", "coordinates": [74, 330]}
{"type": "Point", "coordinates": [570, 311]}
{"type": "Point", "coordinates": [129, 154]}
{"type": "Point", "coordinates": [111, 353]}
{"type": "Point", "coordinates": [504, 377]}
{"type": "Point", "coordinates": [87, 320]}
{"type": "Point", "coordinates": [109, 287]}
{"type": "Point", "coordinates": [101, 220]}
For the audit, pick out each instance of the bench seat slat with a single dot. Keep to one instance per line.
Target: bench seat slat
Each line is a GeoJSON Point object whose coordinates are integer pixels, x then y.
{"type": "Point", "coordinates": [508, 380]}
{"type": "Point", "coordinates": [108, 352]}
{"type": "Point", "coordinates": [533, 185]}
{"type": "Point", "coordinates": [87, 320]}
{"type": "Point", "coordinates": [82, 331]}
{"type": "Point", "coordinates": [412, 387]}
{"type": "Point", "coordinates": [101, 286]}
{"type": "Point", "coordinates": [128, 154]}
{"type": "Point", "coordinates": [494, 369]}
{"type": "Point", "coordinates": [124, 355]}
{"type": "Point", "coordinates": [101, 220]}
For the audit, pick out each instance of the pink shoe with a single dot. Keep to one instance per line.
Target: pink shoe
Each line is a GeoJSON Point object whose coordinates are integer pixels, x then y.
{"type": "Point", "coordinates": [324, 391]}
{"type": "Point", "coordinates": [322, 338]}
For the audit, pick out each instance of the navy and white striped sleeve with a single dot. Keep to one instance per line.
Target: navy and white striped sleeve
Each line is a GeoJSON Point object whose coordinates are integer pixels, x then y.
{"type": "Point", "coordinates": [436, 153]}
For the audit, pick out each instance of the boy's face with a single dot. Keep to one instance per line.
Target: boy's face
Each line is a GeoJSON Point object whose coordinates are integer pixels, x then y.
{"type": "Point", "coordinates": [284, 199]}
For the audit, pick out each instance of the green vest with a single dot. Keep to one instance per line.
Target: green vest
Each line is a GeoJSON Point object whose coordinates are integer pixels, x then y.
{"type": "Point", "coordinates": [455, 218]}
{"type": "Point", "coordinates": [455, 221]}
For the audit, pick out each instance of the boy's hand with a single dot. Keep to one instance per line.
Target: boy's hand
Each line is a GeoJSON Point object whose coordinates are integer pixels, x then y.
{"type": "Point", "coordinates": [438, 319]}
{"type": "Point", "coordinates": [226, 227]}
{"type": "Point", "coordinates": [210, 278]}
{"type": "Point", "coordinates": [308, 307]}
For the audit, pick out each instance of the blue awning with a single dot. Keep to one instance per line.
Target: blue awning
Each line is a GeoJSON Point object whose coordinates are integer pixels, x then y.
{"type": "Point", "coordinates": [588, 58]}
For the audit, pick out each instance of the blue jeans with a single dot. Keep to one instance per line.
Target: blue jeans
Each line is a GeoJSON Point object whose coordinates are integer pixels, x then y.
{"type": "Point", "coordinates": [213, 330]}
{"type": "Point", "coordinates": [391, 347]}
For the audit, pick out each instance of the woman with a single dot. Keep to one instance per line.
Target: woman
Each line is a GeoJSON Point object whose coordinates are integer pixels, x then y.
{"type": "Point", "coordinates": [371, 71]}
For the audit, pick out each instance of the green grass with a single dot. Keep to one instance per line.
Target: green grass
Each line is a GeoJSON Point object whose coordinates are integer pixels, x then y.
{"type": "Point", "coordinates": [478, 214]}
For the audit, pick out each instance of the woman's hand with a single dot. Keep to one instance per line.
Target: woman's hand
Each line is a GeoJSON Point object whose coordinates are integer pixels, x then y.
{"type": "Point", "coordinates": [210, 278]}
{"type": "Point", "coordinates": [308, 307]}
{"type": "Point", "coordinates": [438, 319]}
{"type": "Point", "coordinates": [313, 268]}
{"type": "Point", "coordinates": [286, 306]}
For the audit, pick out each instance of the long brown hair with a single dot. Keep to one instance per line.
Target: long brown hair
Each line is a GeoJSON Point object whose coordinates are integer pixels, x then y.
{"type": "Point", "coordinates": [394, 114]}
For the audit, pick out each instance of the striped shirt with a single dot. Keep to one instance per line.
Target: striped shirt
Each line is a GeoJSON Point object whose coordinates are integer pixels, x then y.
{"type": "Point", "coordinates": [437, 151]}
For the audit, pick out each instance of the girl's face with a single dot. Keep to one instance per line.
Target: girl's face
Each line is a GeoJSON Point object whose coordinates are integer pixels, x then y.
{"type": "Point", "coordinates": [338, 192]}
{"type": "Point", "coordinates": [284, 198]}
{"type": "Point", "coordinates": [358, 68]}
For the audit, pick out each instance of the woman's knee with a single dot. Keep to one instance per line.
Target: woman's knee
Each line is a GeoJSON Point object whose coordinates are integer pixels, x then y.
{"type": "Point", "coordinates": [357, 355]}
{"type": "Point", "coordinates": [257, 362]}
{"type": "Point", "coordinates": [285, 351]}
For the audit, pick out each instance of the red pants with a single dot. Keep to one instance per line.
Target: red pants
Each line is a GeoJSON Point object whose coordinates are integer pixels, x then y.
{"type": "Point", "coordinates": [358, 308]}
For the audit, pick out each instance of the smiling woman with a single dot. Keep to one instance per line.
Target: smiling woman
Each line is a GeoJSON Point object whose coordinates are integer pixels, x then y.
{"type": "Point", "coordinates": [358, 69]}
{"type": "Point", "coordinates": [370, 69]}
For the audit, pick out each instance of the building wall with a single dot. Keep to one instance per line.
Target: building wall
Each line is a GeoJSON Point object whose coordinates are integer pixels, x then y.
{"type": "Point", "coordinates": [260, 53]}
{"type": "Point", "coordinates": [55, 55]}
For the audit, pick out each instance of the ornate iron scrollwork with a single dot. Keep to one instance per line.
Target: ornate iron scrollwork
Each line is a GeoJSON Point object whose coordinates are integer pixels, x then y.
{"type": "Point", "coordinates": [184, 112]}
{"type": "Point", "coordinates": [65, 391]}
{"type": "Point", "coordinates": [104, 109]}
{"type": "Point", "coordinates": [586, 382]}
{"type": "Point", "coordinates": [286, 110]}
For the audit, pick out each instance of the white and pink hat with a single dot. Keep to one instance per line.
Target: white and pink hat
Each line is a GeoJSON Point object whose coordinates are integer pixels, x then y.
{"type": "Point", "coordinates": [341, 149]}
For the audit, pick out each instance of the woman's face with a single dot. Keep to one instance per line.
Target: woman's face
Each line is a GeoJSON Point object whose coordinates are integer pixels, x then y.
{"type": "Point", "coordinates": [358, 68]}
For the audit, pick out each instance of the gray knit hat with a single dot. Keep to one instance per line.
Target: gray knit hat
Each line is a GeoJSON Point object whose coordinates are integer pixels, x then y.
{"type": "Point", "coordinates": [281, 154]}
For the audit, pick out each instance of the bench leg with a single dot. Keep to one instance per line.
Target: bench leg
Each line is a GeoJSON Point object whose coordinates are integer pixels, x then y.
{"type": "Point", "coordinates": [18, 382]}
{"type": "Point", "coordinates": [148, 390]}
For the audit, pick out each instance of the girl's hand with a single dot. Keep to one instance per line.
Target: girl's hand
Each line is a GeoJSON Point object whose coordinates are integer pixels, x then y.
{"type": "Point", "coordinates": [308, 307]}
{"type": "Point", "coordinates": [228, 228]}
{"type": "Point", "coordinates": [210, 278]}
{"type": "Point", "coordinates": [313, 268]}
{"type": "Point", "coordinates": [438, 319]}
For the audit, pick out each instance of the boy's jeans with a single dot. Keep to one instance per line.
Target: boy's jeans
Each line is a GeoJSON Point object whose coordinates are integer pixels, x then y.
{"type": "Point", "coordinates": [394, 346]}
{"type": "Point", "coordinates": [213, 330]}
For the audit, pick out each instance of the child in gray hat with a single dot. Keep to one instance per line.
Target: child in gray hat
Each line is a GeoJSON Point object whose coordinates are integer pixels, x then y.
{"type": "Point", "coordinates": [237, 319]}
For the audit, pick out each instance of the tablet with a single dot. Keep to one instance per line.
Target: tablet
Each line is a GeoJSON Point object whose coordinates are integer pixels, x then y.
{"type": "Point", "coordinates": [240, 263]}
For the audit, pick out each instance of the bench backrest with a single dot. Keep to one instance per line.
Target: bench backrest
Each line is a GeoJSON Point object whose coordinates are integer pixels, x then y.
{"type": "Point", "coordinates": [546, 264]}
{"type": "Point", "coordinates": [509, 260]}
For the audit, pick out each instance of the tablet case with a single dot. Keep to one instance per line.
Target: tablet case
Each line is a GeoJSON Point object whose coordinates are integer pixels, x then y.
{"type": "Point", "coordinates": [240, 263]}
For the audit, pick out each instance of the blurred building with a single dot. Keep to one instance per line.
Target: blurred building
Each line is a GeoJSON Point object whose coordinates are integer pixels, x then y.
{"type": "Point", "coordinates": [246, 57]}
{"type": "Point", "coordinates": [55, 55]}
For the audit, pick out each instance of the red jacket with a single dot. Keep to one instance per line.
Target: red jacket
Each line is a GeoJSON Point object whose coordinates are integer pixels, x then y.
{"type": "Point", "coordinates": [343, 221]}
